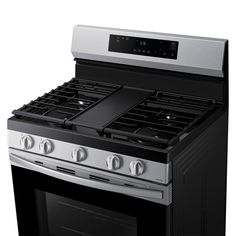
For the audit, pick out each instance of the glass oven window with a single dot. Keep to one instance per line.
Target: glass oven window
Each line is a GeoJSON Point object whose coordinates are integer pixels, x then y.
{"type": "Point", "coordinates": [64, 216]}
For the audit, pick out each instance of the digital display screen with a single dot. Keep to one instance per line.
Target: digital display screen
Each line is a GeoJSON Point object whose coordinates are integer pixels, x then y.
{"type": "Point", "coordinates": [143, 46]}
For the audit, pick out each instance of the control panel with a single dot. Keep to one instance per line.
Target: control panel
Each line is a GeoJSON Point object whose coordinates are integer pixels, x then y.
{"type": "Point", "coordinates": [91, 157]}
{"type": "Point", "coordinates": [171, 52]}
{"type": "Point", "coordinates": [143, 46]}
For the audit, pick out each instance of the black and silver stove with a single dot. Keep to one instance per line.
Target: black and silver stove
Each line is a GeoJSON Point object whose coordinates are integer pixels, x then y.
{"type": "Point", "coordinates": [134, 145]}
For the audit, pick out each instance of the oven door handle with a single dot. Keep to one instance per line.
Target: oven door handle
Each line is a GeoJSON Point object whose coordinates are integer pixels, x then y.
{"type": "Point", "coordinates": [148, 194]}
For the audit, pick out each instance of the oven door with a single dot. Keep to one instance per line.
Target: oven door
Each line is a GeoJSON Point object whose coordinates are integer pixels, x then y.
{"type": "Point", "coordinates": [53, 203]}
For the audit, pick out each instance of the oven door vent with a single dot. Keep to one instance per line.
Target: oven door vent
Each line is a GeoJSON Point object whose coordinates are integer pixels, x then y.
{"type": "Point", "coordinates": [65, 170]}
{"type": "Point", "coordinates": [39, 162]}
{"type": "Point", "coordinates": [98, 178]}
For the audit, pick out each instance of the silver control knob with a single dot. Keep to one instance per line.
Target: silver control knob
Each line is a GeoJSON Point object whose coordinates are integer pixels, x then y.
{"type": "Point", "coordinates": [46, 146]}
{"type": "Point", "coordinates": [79, 154]}
{"type": "Point", "coordinates": [136, 168]}
{"type": "Point", "coordinates": [26, 142]}
{"type": "Point", "coordinates": [113, 162]}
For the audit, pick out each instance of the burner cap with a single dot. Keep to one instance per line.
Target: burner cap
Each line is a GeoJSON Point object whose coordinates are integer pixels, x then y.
{"type": "Point", "coordinates": [171, 115]}
{"type": "Point", "coordinates": [81, 102]}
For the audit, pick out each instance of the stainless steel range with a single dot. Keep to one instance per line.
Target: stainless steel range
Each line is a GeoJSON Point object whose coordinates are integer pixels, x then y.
{"type": "Point", "coordinates": [134, 145]}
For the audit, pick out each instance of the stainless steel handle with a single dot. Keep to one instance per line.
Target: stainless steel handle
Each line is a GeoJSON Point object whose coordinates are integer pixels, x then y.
{"type": "Point", "coordinates": [131, 191]}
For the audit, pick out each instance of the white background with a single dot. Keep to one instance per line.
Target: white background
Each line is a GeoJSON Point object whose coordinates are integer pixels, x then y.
{"type": "Point", "coordinates": [35, 38]}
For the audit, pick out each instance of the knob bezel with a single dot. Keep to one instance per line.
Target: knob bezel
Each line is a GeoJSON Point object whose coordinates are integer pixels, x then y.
{"type": "Point", "coordinates": [46, 146]}
{"type": "Point", "coordinates": [82, 154]}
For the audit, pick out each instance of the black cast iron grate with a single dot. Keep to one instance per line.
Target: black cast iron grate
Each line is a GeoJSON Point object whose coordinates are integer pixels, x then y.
{"type": "Point", "coordinates": [67, 101]}
{"type": "Point", "coordinates": [159, 120]}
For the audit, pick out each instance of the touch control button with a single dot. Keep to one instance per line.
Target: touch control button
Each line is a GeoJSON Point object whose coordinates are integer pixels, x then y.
{"type": "Point", "coordinates": [46, 146]}
{"type": "Point", "coordinates": [136, 168]}
{"type": "Point", "coordinates": [113, 162]}
{"type": "Point", "coordinates": [26, 142]}
{"type": "Point", "coordinates": [79, 154]}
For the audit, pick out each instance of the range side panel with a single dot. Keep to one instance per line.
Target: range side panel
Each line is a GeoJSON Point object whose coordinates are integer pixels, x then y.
{"type": "Point", "coordinates": [199, 184]}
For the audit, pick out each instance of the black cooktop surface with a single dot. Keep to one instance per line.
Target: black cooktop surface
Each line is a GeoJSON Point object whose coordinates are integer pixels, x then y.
{"type": "Point", "coordinates": [144, 117]}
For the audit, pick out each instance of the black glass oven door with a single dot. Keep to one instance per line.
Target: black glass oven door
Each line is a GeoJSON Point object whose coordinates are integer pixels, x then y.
{"type": "Point", "coordinates": [48, 206]}
{"type": "Point", "coordinates": [66, 216]}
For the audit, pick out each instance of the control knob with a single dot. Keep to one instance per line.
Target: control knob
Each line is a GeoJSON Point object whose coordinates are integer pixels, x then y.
{"type": "Point", "coordinates": [26, 142]}
{"type": "Point", "coordinates": [46, 146]}
{"type": "Point", "coordinates": [136, 168]}
{"type": "Point", "coordinates": [113, 162]}
{"type": "Point", "coordinates": [79, 154]}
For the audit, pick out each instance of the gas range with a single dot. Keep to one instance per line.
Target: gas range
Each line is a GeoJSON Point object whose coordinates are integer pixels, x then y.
{"type": "Point", "coordinates": [140, 120]}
